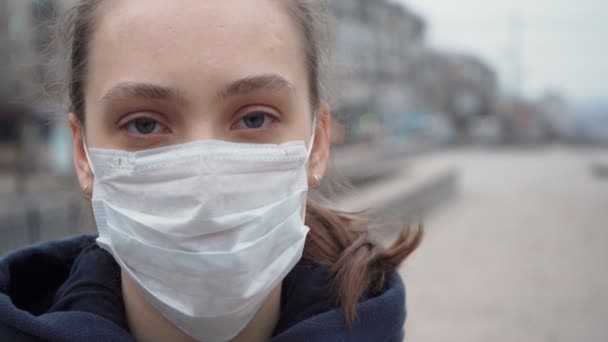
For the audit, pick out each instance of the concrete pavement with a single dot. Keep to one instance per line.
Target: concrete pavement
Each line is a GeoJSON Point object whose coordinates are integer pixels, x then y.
{"type": "Point", "coordinates": [520, 255]}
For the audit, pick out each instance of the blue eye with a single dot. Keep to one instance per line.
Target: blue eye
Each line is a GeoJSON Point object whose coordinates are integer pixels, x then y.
{"type": "Point", "coordinates": [143, 126]}
{"type": "Point", "coordinates": [255, 120]}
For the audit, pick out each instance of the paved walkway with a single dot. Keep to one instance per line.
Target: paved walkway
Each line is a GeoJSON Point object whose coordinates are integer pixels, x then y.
{"type": "Point", "coordinates": [520, 255]}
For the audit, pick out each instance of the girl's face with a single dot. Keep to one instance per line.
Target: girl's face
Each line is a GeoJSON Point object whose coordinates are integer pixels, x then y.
{"type": "Point", "coordinates": [170, 72]}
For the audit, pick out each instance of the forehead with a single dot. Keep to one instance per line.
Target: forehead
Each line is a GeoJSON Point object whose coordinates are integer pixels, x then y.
{"type": "Point", "coordinates": [194, 41]}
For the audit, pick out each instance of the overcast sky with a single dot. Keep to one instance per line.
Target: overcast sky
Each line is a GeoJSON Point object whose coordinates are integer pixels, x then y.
{"type": "Point", "coordinates": [564, 44]}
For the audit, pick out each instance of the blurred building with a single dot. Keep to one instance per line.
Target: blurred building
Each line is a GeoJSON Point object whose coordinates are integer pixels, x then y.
{"type": "Point", "coordinates": [376, 45]}
{"type": "Point", "coordinates": [391, 85]}
{"type": "Point", "coordinates": [522, 121]}
{"type": "Point", "coordinates": [590, 123]}
{"type": "Point", "coordinates": [535, 121]}
{"type": "Point", "coordinates": [559, 117]}
{"type": "Point", "coordinates": [462, 88]}
{"type": "Point", "coordinates": [26, 34]}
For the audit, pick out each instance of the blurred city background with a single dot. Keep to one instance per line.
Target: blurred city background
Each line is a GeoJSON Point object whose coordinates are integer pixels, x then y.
{"type": "Point", "coordinates": [485, 119]}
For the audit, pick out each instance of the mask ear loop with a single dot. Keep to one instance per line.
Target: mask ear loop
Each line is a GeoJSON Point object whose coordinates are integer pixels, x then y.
{"type": "Point", "coordinates": [310, 146]}
{"type": "Point", "coordinates": [89, 161]}
{"type": "Point", "coordinates": [86, 153]}
{"type": "Point", "coordinates": [312, 138]}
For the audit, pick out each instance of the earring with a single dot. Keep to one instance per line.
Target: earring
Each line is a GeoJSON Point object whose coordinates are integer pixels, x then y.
{"type": "Point", "coordinates": [317, 179]}
{"type": "Point", "coordinates": [84, 190]}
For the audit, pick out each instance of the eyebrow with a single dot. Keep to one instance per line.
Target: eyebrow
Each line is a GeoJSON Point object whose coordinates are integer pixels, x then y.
{"type": "Point", "coordinates": [146, 91]}
{"type": "Point", "coordinates": [149, 91]}
{"type": "Point", "coordinates": [250, 84]}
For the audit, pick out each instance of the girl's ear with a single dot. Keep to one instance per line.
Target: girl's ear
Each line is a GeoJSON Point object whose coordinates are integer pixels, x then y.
{"type": "Point", "coordinates": [319, 156]}
{"type": "Point", "coordinates": [81, 163]}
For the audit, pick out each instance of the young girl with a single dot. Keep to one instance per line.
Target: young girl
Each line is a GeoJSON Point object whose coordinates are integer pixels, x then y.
{"type": "Point", "coordinates": [198, 128]}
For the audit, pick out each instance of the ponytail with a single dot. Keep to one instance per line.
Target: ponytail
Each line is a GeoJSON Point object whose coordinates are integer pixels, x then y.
{"type": "Point", "coordinates": [359, 268]}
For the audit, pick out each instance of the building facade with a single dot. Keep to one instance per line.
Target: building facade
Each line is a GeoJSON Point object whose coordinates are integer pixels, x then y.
{"type": "Point", "coordinates": [26, 35]}
{"type": "Point", "coordinates": [376, 45]}
{"type": "Point", "coordinates": [462, 88]}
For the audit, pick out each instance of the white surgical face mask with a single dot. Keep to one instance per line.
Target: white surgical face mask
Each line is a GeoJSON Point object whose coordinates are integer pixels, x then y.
{"type": "Point", "coordinates": [206, 230]}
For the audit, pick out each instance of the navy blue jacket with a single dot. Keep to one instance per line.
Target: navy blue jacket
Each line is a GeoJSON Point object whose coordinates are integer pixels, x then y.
{"type": "Point", "coordinates": [71, 291]}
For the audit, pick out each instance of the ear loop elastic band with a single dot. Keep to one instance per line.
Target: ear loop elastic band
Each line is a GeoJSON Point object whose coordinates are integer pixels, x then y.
{"type": "Point", "coordinates": [310, 146]}
{"type": "Point", "coordinates": [312, 138]}
{"type": "Point", "coordinates": [86, 153]}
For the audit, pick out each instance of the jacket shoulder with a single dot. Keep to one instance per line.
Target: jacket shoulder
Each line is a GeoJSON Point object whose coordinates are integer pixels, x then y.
{"type": "Point", "coordinates": [309, 313]}
{"type": "Point", "coordinates": [66, 290]}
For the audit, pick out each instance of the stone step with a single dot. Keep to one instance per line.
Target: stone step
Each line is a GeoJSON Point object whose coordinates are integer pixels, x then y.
{"type": "Point", "coordinates": [405, 198]}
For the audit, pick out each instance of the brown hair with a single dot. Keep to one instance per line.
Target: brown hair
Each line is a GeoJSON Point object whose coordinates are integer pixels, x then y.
{"type": "Point", "coordinates": [358, 267]}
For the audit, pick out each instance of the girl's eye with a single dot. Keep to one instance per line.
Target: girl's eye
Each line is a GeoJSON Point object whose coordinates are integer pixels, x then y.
{"type": "Point", "coordinates": [255, 120]}
{"type": "Point", "coordinates": [144, 126]}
